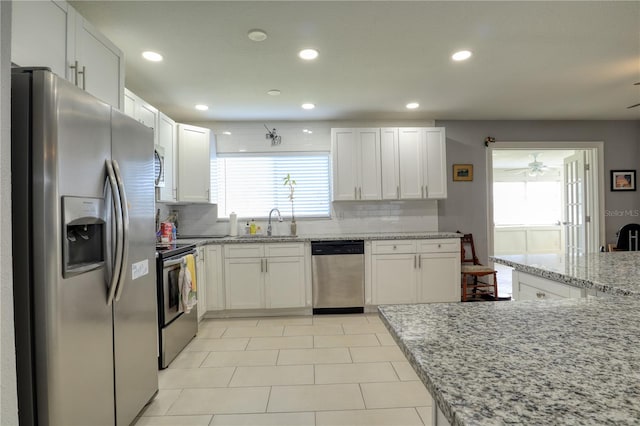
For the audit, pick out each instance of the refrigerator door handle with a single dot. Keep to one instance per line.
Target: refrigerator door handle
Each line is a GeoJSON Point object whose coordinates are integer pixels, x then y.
{"type": "Point", "coordinates": [125, 229]}
{"type": "Point", "coordinates": [117, 206]}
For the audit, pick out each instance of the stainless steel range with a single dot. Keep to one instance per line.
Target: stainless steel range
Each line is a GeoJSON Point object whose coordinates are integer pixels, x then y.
{"type": "Point", "coordinates": [175, 327]}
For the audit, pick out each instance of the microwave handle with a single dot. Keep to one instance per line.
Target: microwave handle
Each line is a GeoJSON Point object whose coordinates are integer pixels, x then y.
{"type": "Point", "coordinates": [161, 162]}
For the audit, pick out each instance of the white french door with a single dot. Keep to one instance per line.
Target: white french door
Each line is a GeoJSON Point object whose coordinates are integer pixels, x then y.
{"type": "Point", "coordinates": [575, 212]}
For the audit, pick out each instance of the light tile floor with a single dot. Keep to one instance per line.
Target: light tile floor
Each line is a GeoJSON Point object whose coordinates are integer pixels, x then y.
{"type": "Point", "coordinates": [298, 371]}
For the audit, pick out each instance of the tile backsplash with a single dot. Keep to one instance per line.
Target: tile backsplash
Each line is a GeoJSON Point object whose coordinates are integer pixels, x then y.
{"type": "Point", "coordinates": [346, 217]}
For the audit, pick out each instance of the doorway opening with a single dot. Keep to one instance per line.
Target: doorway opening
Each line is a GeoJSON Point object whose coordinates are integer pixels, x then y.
{"type": "Point", "coordinates": [544, 199]}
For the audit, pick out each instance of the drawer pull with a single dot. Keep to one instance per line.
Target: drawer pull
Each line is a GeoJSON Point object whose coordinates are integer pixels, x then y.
{"type": "Point", "coordinates": [540, 295]}
{"type": "Point", "coordinates": [395, 247]}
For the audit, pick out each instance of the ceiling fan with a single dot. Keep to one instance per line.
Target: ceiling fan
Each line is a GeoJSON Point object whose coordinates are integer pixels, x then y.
{"type": "Point", "coordinates": [534, 168]}
{"type": "Point", "coordinates": [633, 106]}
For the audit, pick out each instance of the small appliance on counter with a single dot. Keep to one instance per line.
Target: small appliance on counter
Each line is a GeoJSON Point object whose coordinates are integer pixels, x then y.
{"type": "Point", "coordinates": [176, 327]}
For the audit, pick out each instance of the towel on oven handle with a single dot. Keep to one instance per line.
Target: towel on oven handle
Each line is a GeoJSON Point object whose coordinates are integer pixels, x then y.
{"type": "Point", "coordinates": [187, 280]}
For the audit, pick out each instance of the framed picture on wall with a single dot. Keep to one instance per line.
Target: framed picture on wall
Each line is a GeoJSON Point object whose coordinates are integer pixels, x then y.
{"type": "Point", "coordinates": [623, 180]}
{"type": "Point", "coordinates": [463, 172]}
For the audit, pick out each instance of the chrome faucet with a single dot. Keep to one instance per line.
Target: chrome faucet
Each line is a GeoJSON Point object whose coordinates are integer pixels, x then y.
{"type": "Point", "coordinates": [279, 220]}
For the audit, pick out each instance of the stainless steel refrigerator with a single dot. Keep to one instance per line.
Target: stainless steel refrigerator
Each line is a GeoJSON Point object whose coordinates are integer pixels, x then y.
{"type": "Point", "coordinates": [84, 257]}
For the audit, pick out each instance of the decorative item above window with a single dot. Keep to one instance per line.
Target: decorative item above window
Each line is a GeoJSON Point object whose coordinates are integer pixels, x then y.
{"type": "Point", "coordinates": [273, 135]}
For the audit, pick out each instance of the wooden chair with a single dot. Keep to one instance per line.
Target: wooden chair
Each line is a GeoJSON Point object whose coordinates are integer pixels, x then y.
{"type": "Point", "coordinates": [472, 269]}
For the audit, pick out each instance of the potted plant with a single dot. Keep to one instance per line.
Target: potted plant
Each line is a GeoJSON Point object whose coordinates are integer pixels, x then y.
{"type": "Point", "coordinates": [291, 183]}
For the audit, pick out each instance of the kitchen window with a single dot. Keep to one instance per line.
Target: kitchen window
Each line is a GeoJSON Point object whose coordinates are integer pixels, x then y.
{"type": "Point", "coordinates": [251, 185]}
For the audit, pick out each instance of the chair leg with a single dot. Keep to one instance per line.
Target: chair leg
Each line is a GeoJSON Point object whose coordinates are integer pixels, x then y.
{"type": "Point", "coordinates": [495, 286]}
{"type": "Point", "coordinates": [464, 287]}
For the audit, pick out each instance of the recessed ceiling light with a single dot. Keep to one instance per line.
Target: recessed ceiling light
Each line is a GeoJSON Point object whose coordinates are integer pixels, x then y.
{"type": "Point", "coordinates": [152, 56]}
{"type": "Point", "coordinates": [308, 54]}
{"type": "Point", "coordinates": [226, 133]}
{"type": "Point", "coordinates": [461, 55]}
{"type": "Point", "coordinates": [273, 92]}
{"type": "Point", "coordinates": [257, 35]}
{"type": "Point", "coordinates": [308, 106]}
{"type": "Point", "coordinates": [413, 105]}
{"type": "Point", "coordinates": [202, 107]}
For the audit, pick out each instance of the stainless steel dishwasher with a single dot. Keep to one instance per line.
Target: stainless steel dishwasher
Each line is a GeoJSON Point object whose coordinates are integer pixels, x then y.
{"type": "Point", "coordinates": [337, 276]}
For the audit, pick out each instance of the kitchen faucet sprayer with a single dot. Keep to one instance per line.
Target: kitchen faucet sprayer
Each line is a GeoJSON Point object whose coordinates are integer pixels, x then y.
{"type": "Point", "coordinates": [269, 225]}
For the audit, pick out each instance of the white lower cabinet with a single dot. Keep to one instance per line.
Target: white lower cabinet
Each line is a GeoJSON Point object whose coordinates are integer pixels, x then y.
{"type": "Point", "coordinates": [399, 269]}
{"type": "Point", "coordinates": [244, 283]}
{"type": "Point", "coordinates": [215, 284]}
{"type": "Point", "coordinates": [201, 282]}
{"type": "Point", "coordinates": [415, 271]}
{"type": "Point", "coordinates": [439, 279]}
{"type": "Point", "coordinates": [530, 287]}
{"type": "Point", "coordinates": [259, 276]}
{"type": "Point", "coordinates": [284, 282]}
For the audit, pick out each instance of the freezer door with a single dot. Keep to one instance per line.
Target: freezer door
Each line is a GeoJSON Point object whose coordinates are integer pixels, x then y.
{"type": "Point", "coordinates": [71, 357]}
{"type": "Point", "coordinates": [135, 318]}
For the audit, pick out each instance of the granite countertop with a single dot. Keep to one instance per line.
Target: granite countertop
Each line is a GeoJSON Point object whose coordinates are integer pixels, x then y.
{"type": "Point", "coordinates": [572, 361]}
{"type": "Point", "coordinates": [609, 272]}
{"type": "Point", "coordinates": [317, 237]}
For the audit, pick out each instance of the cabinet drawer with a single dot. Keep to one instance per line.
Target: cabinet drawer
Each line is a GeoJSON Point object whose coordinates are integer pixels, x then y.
{"type": "Point", "coordinates": [393, 246]}
{"type": "Point", "coordinates": [284, 249]}
{"type": "Point", "coordinates": [232, 251]}
{"type": "Point", "coordinates": [439, 246]}
{"type": "Point", "coordinates": [541, 288]}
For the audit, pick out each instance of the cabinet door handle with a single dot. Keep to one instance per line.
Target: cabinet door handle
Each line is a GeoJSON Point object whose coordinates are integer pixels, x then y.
{"type": "Point", "coordinates": [419, 261]}
{"type": "Point", "coordinates": [426, 191]}
{"type": "Point", "coordinates": [74, 67]}
{"type": "Point", "coordinates": [398, 191]}
{"type": "Point", "coordinates": [360, 193]}
{"type": "Point", "coordinates": [266, 265]}
{"type": "Point", "coordinates": [84, 77]}
{"type": "Point", "coordinates": [415, 262]}
{"type": "Point", "coordinates": [261, 265]}
{"type": "Point", "coordinates": [540, 295]}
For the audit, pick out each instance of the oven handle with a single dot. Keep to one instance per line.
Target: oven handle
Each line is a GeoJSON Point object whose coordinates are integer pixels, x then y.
{"type": "Point", "coordinates": [179, 260]}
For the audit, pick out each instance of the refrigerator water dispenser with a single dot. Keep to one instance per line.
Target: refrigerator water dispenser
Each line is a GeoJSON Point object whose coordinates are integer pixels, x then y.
{"type": "Point", "coordinates": [83, 245]}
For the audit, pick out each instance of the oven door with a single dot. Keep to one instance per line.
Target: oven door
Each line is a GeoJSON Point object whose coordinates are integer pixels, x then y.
{"type": "Point", "coordinates": [171, 306]}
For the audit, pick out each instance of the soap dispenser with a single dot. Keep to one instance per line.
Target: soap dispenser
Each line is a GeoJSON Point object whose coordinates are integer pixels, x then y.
{"type": "Point", "coordinates": [252, 227]}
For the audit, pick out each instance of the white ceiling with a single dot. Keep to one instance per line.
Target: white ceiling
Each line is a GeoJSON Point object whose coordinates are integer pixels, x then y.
{"type": "Point", "coordinates": [532, 60]}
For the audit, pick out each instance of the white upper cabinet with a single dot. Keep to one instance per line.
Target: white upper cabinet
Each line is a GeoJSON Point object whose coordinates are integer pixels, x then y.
{"type": "Point", "coordinates": [194, 164]}
{"type": "Point", "coordinates": [167, 135]}
{"type": "Point", "coordinates": [435, 158]}
{"type": "Point", "coordinates": [356, 164]}
{"type": "Point", "coordinates": [99, 63]}
{"type": "Point", "coordinates": [405, 163]}
{"type": "Point", "coordinates": [141, 110]}
{"type": "Point", "coordinates": [390, 171]}
{"type": "Point", "coordinates": [39, 34]}
{"type": "Point", "coordinates": [423, 163]}
{"type": "Point", "coordinates": [52, 34]}
{"type": "Point", "coordinates": [410, 159]}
